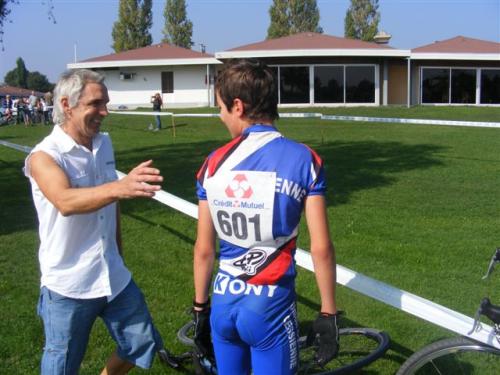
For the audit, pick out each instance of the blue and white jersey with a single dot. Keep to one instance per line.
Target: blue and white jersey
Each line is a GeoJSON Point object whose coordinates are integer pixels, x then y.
{"type": "Point", "coordinates": [255, 187]}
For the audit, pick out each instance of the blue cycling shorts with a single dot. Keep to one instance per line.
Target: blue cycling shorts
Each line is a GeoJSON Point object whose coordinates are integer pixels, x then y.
{"type": "Point", "coordinates": [254, 328]}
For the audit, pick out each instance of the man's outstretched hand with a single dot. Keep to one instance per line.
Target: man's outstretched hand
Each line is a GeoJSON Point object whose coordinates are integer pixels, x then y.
{"type": "Point", "coordinates": [142, 181]}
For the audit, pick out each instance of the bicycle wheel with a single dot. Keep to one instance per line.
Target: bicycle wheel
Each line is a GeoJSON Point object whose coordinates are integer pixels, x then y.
{"type": "Point", "coordinates": [358, 348]}
{"type": "Point", "coordinates": [457, 355]}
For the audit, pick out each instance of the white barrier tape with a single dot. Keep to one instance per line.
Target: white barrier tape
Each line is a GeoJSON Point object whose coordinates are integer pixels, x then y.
{"type": "Point", "coordinates": [196, 115]}
{"type": "Point", "coordinates": [25, 149]}
{"type": "Point", "coordinates": [400, 299]}
{"type": "Point", "coordinates": [143, 113]}
{"type": "Point", "coordinates": [300, 115]}
{"type": "Point", "coordinates": [413, 121]}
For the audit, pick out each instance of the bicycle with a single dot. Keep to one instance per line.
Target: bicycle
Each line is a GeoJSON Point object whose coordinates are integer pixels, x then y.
{"type": "Point", "coordinates": [359, 347]}
{"type": "Point", "coordinates": [461, 355]}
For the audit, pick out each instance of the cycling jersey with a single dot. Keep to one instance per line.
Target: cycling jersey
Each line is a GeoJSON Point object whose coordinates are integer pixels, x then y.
{"type": "Point", "coordinates": [255, 188]}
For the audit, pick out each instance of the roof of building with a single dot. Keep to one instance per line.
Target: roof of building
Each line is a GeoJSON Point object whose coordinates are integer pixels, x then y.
{"type": "Point", "coordinates": [310, 40]}
{"type": "Point", "coordinates": [155, 51]}
{"type": "Point", "coordinates": [16, 91]}
{"type": "Point", "coordinates": [459, 44]}
{"type": "Point", "coordinates": [311, 44]}
{"type": "Point", "coordinates": [156, 54]}
{"type": "Point", "coordinates": [458, 48]}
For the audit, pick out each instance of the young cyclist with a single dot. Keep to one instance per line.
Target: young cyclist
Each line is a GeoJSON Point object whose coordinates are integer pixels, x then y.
{"type": "Point", "coordinates": [251, 193]}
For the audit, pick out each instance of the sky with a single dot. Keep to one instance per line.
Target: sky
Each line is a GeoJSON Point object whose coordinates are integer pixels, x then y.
{"type": "Point", "coordinates": [84, 26]}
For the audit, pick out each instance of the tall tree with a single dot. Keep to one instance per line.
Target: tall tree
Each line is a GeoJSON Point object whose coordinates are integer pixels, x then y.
{"type": "Point", "coordinates": [22, 77]}
{"type": "Point", "coordinates": [361, 20]}
{"type": "Point", "coordinates": [132, 28]}
{"type": "Point", "coordinates": [293, 16]}
{"type": "Point", "coordinates": [178, 28]}
{"type": "Point", "coordinates": [18, 76]}
{"type": "Point", "coordinates": [280, 19]}
{"type": "Point", "coordinates": [21, 73]}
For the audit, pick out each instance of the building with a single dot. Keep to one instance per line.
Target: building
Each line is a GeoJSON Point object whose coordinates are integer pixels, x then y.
{"type": "Point", "coordinates": [183, 77]}
{"type": "Point", "coordinates": [459, 70]}
{"type": "Point", "coordinates": [314, 70]}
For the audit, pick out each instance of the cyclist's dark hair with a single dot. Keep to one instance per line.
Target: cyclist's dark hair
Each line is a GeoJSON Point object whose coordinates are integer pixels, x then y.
{"type": "Point", "coordinates": [254, 84]}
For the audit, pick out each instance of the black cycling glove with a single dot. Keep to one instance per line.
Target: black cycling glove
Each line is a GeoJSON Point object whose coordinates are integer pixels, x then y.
{"type": "Point", "coordinates": [202, 340]}
{"type": "Point", "coordinates": [325, 334]}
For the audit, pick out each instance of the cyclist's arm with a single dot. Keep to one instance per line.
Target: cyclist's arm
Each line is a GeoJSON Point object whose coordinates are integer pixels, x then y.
{"type": "Point", "coordinates": [322, 251]}
{"type": "Point", "coordinates": [204, 253]}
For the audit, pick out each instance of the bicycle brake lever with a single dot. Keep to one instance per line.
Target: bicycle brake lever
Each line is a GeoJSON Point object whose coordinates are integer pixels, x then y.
{"type": "Point", "coordinates": [476, 327]}
{"type": "Point", "coordinates": [494, 259]}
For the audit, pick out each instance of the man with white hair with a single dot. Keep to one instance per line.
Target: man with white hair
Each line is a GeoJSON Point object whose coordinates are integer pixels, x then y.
{"type": "Point", "coordinates": [76, 190]}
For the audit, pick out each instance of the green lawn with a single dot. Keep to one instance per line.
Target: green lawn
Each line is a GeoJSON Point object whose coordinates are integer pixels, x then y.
{"type": "Point", "coordinates": [414, 206]}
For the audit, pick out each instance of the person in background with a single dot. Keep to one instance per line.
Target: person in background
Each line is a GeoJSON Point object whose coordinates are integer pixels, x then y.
{"type": "Point", "coordinates": [7, 106]}
{"type": "Point", "coordinates": [32, 101]}
{"type": "Point", "coordinates": [157, 105]}
{"type": "Point", "coordinates": [76, 191]}
{"type": "Point", "coordinates": [49, 103]}
{"type": "Point", "coordinates": [252, 198]}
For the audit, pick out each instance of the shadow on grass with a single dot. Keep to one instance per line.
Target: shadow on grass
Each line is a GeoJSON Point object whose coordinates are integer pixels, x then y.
{"type": "Point", "coordinates": [397, 352]}
{"type": "Point", "coordinates": [350, 167]}
{"type": "Point", "coordinates": [176, 233]}
{"type": "Point", "coordinates": [355, 166]}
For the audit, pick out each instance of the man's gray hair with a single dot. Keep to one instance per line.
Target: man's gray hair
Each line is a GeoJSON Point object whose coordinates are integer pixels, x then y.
{"type": "Point", "coordinates": [71, 85]}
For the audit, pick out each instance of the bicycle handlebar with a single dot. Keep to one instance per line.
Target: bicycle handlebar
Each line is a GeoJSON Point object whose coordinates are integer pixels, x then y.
{"type": "Point", "coordinates": [494, 259]}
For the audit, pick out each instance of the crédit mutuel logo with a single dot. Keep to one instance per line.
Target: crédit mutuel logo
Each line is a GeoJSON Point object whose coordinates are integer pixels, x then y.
{"type": "Point", "coordinates": [239, 191]}
{"type": "Point", "coordinates": [239, 187]}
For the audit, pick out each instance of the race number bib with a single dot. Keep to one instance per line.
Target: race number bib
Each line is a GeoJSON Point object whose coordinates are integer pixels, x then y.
{"type": "Point", "coordinates": [241, 204]}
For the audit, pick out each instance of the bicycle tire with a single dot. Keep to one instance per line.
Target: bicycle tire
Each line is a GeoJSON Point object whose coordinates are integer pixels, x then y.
{"type": "Point", "coordinates": [378, 338]}
{"type": "Point", "coordinates": [446, 353]}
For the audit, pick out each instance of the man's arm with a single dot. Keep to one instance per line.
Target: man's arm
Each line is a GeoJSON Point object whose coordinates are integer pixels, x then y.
{"type": "Point", "coordinates": [55, 186]}
{"type": "Point", "coordinates": [204, 253]}
{"type": "Point", "coordinates": [322, 251]}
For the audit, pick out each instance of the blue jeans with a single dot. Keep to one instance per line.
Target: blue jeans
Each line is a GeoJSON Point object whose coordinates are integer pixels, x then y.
{"type": "Point", "coordinates": [158, 122]}
{"type": "Point", "coordinates": [68, 321]}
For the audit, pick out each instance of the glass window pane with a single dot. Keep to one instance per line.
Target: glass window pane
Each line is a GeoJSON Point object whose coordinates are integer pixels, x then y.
{"type": "Point", "coordinates": [490, 86]}
{"type": "Point", "coordinates": [360, 84]}
{"type": "Point", "coordinates": [294, 84]}
{"type": "Point", "coordinates": [329, 84]}
{"type": "Point", "coordinates": [463, 86]}
{"type": "Point", "coordinates": [435, 85]}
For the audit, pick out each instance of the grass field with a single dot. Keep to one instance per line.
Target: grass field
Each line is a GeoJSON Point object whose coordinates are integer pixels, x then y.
{"type": "Point", "coordinates": [414, 206]}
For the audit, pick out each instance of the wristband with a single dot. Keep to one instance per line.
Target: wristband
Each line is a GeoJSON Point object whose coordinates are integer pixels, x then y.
{"type": "Point", "coordinates": [201, 305]}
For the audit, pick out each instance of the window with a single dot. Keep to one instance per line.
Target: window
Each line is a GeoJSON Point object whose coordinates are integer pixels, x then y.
{"type": "Point", "coordinates": [294, 85]}
{"type": "Point", "coordinates": [167, 82]}
{"type": "Point", "coordinates": [463, 86]}
{"type": "Point", "coordinates": [360, 84]}
{"type": "Point", "coordinates": [435, 85]}
{"type": "Point", "coordinates": [490, 86]}
{"type": "Point", "coordinates": [329, 84]}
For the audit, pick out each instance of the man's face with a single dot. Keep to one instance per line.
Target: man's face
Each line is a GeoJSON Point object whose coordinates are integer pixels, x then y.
{"type": "Point", "coordinates": [91, 108]}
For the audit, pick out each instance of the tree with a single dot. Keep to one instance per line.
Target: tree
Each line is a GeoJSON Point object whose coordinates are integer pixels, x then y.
{"type": "Point", "coordinates": [5, 11]}
{"type": "Point", "coordinates": [22, 77]}
{"type": "Point", "coordinates": [39, 82]}
{"type": "Point", "coordinates": [361, 20]}
{"type": "Point", "coordinates": [21, 73]}
{"type": "Point", "coordinates": [293, 16]}
{"type": "Point", "coordinates": [132, 28]}
{"type": "Point", "coordinates": [18, 76]}
{"type": "Point", "coordinates": [280, 20]}
{"type": "Point", "coordinates": [178, 28]}
{"type": "Point", "coordinates": [144, 23]}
